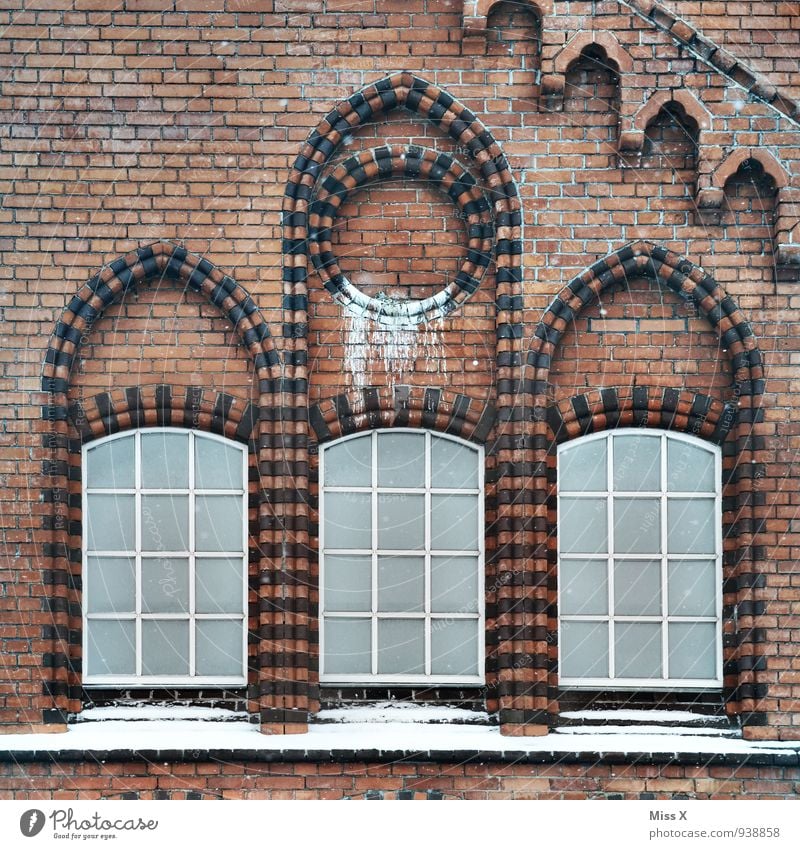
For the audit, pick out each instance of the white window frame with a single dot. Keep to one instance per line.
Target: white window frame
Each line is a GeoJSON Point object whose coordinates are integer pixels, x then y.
{"type": "Point", "coordinates": [374, 615]}
{"type": "Point", "coordinates": [663, 683]}
{"type": "Point", "coordinates": [191, 554]}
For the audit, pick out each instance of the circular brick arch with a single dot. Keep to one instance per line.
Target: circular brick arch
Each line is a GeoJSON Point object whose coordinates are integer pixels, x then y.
{"type": "Point", "coordinates": [689, 281]}
{"type": "Point", "coordinates": [412, 162]}
{"type": "Point", "coordinates": [417, 95]}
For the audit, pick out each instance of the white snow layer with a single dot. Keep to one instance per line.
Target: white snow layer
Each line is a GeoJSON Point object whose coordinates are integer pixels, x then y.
{"type": "Point", "coordinates": [387, 734]}
{"type": "Point", "coordinates": [672, 716]}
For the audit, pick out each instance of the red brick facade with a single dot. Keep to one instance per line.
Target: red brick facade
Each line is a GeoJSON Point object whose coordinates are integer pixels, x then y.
{"type": "Point", "coordinates": [210, 216]}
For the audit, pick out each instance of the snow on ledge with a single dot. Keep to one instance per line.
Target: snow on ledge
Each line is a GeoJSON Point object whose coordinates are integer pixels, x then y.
{"type": "Point", "coordinates": [383, 712]}
{"type": "Point", "coordinates": [163, 735]}
{"type": "Point", "coordinates": [145, 713]}
{"type": "Point", "coordinates": [684, 717]}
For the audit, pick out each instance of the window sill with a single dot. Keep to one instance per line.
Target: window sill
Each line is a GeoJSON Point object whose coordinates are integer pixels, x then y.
{"type": "Point", "coordinates": [201, 736]}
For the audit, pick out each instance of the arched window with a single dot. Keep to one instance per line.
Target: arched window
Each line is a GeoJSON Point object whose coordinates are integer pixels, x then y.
{"type": "Point", "coordinates": [640, 575]}
{"type": "Point", "coordinates": [401, 559]}
{"type": "Point", "coordinates": [164, 559]}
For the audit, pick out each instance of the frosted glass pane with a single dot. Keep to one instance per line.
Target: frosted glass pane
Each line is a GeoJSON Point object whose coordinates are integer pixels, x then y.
{"type": "Point", "coordinates": [689, 468]}
{"type": "Point", "coordinates": [401, 584]}
{"type": "Point", "coordinates": [692, 650]}
{"type": "Point", "coordinates": [454, 522]}
{"type": "Point", "coordinates": [454, 584]}
{"type": "Point", "coordinates": [165, 647]}
{"type": "Point", "coordinates": [637, 463]}
{"type": "Point", "coordinates": [165, 585]}
{"type": "Point", "coordinates": [218, 585]}
{"type": "Point", "coordinates": [582, 467]}
{"type": "Point", "coordinates": [347, 646]}
{"type": "Point", "coordinates": [692, 588]}
{"type": "Point", "coordinates": [165, 460]}
{"type": "Point", "coordinates": [348, 582]}
{"type": "Point", "coordinates": [454, 647]}
{"type": "Point", "coordinates": [584, 650]}
{"type": "Point", "coordinates": [690, 526]}
{"type": "Point", "coordinates": [349, 463]}
{"type": "Point", "coordinates": [218, 522]}
{"type": "Point", "coordinates": [112, 647]}
{"type": "Point", "coordinates": [110, 465]}
{"type": "Point", "coordinates": [165, 522]}
{"type": "Point", "coordinates": [401, 521]}
{"type": "Point", "coordinates": [111, 585]}
{"type": "Point", "coordinates": [637, 526]}
{"type": "Point", "coordinates": [401, 646]}
{"type": "Point", "coordinates": [218, 647]}
{"type": "Point", "coordinates": [348, 520]}
{"type": "Point", "coordinates": [583, 525]}
{"type": "Point", "coordinates": [401, 459]}
{"type": "Point", "coordinates": [637, 650]}
{"type": "Point", "coordinates": [110, 522]}
{"type": "Point", "coordinates": [453, 466]}
{"type": "Point", "coordinates": [584, 586]}
{"type": "Point", "coordinates": [217, 465]}
{"type": "Point", "coordinates": [637, 587]}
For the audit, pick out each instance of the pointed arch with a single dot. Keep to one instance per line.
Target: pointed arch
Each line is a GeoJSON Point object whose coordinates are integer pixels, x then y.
{"type": "Point", "coordinates": [578, 43]}
{"type": "Point", "coordinates": [730, 165]}
{"type": "Point", "coordinates": [643, 259]}
{"type": "Point", "coordinates": [124, 273]}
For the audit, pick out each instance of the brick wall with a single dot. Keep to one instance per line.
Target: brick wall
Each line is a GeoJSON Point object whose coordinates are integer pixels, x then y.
{"type": "Point", "coordinates": [128, 126]}
{"type": "Point", "coordinates": [407, 779]}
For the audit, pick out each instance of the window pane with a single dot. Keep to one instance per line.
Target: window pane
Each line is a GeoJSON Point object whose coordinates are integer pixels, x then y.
{"type": "Point", "coordinates": [217, 465]}
{"type": "Point", "coordinates": [110, 523]}
{"type": "Point", "coordinates": [454, 584]}
{"type": "Point", "coordinates": [689, 467]}
{"type": "Point", "coordinates": [218, 522]}
{"type": "Point", "coordinates": [401, 646]}
{"type": "Point", "coordinates": [583, 525]}
{"type": "Point", "coordinates": [111, 585]}
{"type": "Point", "coordinates": [454, 646]}
{"type": "Point", "coordinates": [348, 520]}
{"type": "Point", "coordinates": [165, 585]}
{"type": "Point", "coordinates": [692, 649]}
{"type": "Point", "coordinates": [165, 647]}
{"type": "Point", "coordinates": [692, 588]}
{"type": "Point", "coordinates": [349, 463]}
{"type": "Point", "coordinates": [347, 646]}
{"type": "Point", "coordinates": [584, 650]}
{"type": "Point", "coordinates": [401, 584]}
{"type": "Point", "coordinates": [165, 522]}
{"type": "Point", "coordinates": [637, 650]}
{"type": "Point", "coordinates": [348, 582]}
{"type": "Point", "coordinates": [218, 585]}
{"type": "Point", "coordinates": [637, 526]}
{"type": "Point", "coordinates": [584, 586]}
{"type": "Point", "coordinates": [637, 587]}
{"type": "Point", "coordinates": [110, 465]}
{"type": "Point", "coordinates": [401, 521]}
{"type": "Point", "coordinates": [165, 460]}
{"type": "Point", "coordinates": [454, 522]}
{"type": "Point", "coordinates": [453, 466]}
{"type": "Point", "coordinates": [690, 526]}
{"type": "Point", "coordinates": [401, 459]}
{"type": "Point", "coordinates": [218, 647]}
{"type": "Point", "coordinates": [112, 647]}
{"type": "Point", "coordinates": [582, 467]}
{"type": "Point", "coordinates": [637, 463]}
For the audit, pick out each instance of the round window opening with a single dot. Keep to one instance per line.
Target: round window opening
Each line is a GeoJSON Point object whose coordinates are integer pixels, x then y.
{"type": "Point", "coordinates": [390, 306]}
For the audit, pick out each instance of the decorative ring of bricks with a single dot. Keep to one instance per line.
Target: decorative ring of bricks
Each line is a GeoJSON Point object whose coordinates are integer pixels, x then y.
{"type": "Point", "coordinates": [412, 162]}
